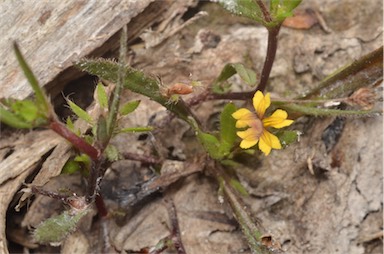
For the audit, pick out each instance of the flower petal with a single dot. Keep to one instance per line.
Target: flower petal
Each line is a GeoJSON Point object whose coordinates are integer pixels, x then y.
{"type": "Point", "coordinates": [277, 120]}
{"type": "Point", "coordinates": [248, 134]}
{"type": "Point", "coordinates": [245, 144]}
{"type": "Point", "coordinates": [250, 137]}
{"type": "Point", "coordinates": [268, 141]}
{"type": "Point", "coordinates": [261, 103]}
{"type": "Point", "coordinates": [244, 117]}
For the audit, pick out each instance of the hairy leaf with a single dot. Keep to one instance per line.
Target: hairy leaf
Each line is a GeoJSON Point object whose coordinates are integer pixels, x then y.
{"type": "Point", "coordinates": [280, 9]}
{"type": "Point", "coordinates": [13, 120]}
{"type": "Point", "coordinates": [101, 131]}
{"type": "Point", "coordinates": [70, 124]}
{"type": "Point", "coordinates": [227, 128]}
{"type": "Point", "coordinates": [366, 71]}
{"type": "Point", "coordinates": [245, 8]}
{"type": "Point", "coordinates": [287, 137]}
{"type": "Point", "coordinates": [211, 145]}
{"type": "Point", "coordinates": [41, 99]}
{"type": "Point", "coordinates": [102, 96]}
{"type": "Point", "coordinates": [71, 167]}
{"type": "Point", "coordinates": [81, 113]}
{"type": "Point", "coordinates": [239, 187]}
{"type": "Point", "coordinates": [26, 109]}
{"type": "Point", "coordinates": [137, 82]}
{"type": "Point", "coordinates": [246, 74]}
{"type": "Point", "coordinates": [129, 107]}
{"type": "Point", "coordinates": [112, 153]}
{"type": "Point", "coordinates": [136, 129]}
{"type": "Point", "coordinates": [55, 229]}
{"type": "Point", "coordinates": [308, 110]}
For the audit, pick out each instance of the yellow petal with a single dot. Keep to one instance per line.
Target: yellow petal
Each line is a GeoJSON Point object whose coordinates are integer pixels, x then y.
{"type": "Point", "coordinates": [264, 147]}
{"type": "Point", "coordinates": [250, 137]}
{"type": "Point", "coordinates": [277, 120]}
{"type": "Point", "coordinates": [261, 103]}
{"type": "Point", "coordinates": [244, 117]}
{"type": "Point", "coordinates": [268, 141]}
{"type": "Point", "coordinates": [240, 113]}
{"type": "Point", "coordinates": [248, 134]}
{"type": "Point", "coordinates": [245, 144]}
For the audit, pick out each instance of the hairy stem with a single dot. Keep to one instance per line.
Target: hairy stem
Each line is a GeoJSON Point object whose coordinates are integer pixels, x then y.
{"type": "Point", "coordinates": [266, 14]}
{"type": "Point", "coordinates": [114, 108]}
{"type": "Point", "coordinates": [251, 230]}
{"type": "Point", "coordinates": [75, 140]}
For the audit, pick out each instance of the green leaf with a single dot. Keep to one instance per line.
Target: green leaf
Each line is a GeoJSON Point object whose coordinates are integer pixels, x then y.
{"type": "Point", "coordinates": [231, 163]}
{"type": "Point", "coordinates": [246, 74]}
{"type": "Point", "coordinates": [137, 82]}
{"type": "Point", "coordinates": [101, 131]}
{"type": "Point", "coordinates": [227, 128]}
{"type": "Point", "coordinates": [83, 158]}
{"type": "Point", "coordinates": [121, 77]}
{"type": "Point", "coordinates": [70, 124]}
{"type": "Point", "coordinates": [81, 113]}
{"type": "Point", "coordinates": [308, 110]}
{"type": "Point", "coordinates": [13, 120]}
{"type": "Point", "coordinates": [285, 9]}
{"type": "Point", "coordinates": [363, 72]}
{"type": "Point", "coordinates": [26, 109]}
{"type": "Point", "coordinates": [227, 72]}
{"type": "Point", "coordinates": [71, 167]}
{"type": "Point", "coordinates": [211, 145]}
{"type": "Point", "coordinates": [84, 163]}
{"type": "Point", "coordinates": [287, 137]}
{"type": "Point", "coordinates": [56, 228]}
{"type": "Point", "coordinates": [238, 186]}
{"type": "Point", "coordinates": [112, 153]}
{"type": "Point", "coordinates": [102, 96]}
{"type": "Point", "coordinates": [41, 99]}
{"type": "Point", "coordinates": [136, 129]}
{"type": "Point", "coordinates": [89, 139]}
{"type": "Point", "coordinates": [221, 88]}
{"type": "Point", "coordinates": [129, 107]}
{"type": "Point", "coordinates": [290, 5]}
{"type": "Point", "coordinates": [245, 8]}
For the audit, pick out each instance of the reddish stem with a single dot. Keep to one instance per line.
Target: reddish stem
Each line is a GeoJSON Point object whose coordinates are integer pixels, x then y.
{"type": "Point", "coordinates": [267, 16]}
{"type": "Point", "coordinates": [100, 205]}
{"type": "Point", "coordinates": [75, 140]}
{"type": "Point", "coordinates": [270, 58]}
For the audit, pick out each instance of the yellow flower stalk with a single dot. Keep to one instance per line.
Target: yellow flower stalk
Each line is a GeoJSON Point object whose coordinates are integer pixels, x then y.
{"type": "Point", "coordinates": [258, 124]}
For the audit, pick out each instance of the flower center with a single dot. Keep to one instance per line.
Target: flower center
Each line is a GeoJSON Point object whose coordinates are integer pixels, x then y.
{"type": "Point", "coordinates": [257, 127]}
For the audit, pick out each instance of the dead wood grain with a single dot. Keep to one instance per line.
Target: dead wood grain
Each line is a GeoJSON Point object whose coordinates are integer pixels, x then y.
{"type": "Point", "coordinates": [54, 34]}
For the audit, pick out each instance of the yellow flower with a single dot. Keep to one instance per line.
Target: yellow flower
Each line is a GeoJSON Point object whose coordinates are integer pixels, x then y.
{"type": "Point", "coordinates": [257, 131]}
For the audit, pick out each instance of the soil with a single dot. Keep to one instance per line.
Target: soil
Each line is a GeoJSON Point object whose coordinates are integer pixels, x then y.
{"type": "Point", "coordinates": [321, 194]}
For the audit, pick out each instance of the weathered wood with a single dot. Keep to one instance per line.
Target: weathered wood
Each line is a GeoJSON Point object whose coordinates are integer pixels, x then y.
{"type": "Point", "coordinates": [54, 34]}
{"type": "Point", "coordinates": [17, 166]}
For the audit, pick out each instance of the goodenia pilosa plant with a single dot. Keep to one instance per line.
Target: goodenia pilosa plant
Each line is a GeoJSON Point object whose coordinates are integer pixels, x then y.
{"type": "Point", "coordinates": [221, 146]}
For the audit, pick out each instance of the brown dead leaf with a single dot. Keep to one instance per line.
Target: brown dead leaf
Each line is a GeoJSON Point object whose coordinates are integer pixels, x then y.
{"type": "Point", "coordinates": [301, 19]}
